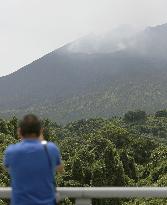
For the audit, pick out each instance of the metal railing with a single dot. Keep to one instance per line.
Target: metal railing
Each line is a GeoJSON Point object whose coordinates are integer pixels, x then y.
{"type": "Point", "coordinates": [84, 196]}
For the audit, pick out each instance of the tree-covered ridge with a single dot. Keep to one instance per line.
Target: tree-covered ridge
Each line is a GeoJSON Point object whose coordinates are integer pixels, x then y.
{"type": "Point", "coordinates": [103, 83]}
{"type": "Point", "coordinates": [127, 151]}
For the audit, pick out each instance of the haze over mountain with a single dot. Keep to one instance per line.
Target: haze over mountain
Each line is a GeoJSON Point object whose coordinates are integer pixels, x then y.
{"type": "Point", "coordinates": [93, 76]}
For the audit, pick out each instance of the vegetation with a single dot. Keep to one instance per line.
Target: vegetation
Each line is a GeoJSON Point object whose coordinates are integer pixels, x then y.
{"type": "Point", "coordinates": [66, 86]}
{"type": "Point", "coordinates": [128, 151]}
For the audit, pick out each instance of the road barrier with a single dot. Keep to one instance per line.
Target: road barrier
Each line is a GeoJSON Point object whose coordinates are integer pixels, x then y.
{"type": "Point", "coordinates": [84, 195]}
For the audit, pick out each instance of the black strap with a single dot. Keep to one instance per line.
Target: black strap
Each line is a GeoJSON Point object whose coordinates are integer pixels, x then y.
{"type": "Point", "coordinates": [47, 154]}
{"type": "Point", "coordinates": [50, 164]}
{"type": "Point", "coordinates": [49, 160]}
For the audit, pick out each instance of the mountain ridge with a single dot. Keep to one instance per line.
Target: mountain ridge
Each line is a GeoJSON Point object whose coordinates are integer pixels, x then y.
{"type": "Point", "coordinates": [69, 86]}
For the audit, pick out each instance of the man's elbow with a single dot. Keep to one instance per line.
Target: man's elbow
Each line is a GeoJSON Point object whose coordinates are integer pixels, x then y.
{"type": "Point", "coordinates": [60, 168]}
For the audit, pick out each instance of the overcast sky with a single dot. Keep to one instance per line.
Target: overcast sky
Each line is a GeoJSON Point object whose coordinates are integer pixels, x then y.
{"type": "Point", "coordinates": [31, 28]}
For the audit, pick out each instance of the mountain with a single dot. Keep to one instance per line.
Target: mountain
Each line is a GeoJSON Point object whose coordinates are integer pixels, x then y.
{"type": "Point", "coordinates": [78, 81]}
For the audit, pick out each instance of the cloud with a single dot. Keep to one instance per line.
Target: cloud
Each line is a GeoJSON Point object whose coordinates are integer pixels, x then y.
{"type": "Point", "coordinates": [30, 29]}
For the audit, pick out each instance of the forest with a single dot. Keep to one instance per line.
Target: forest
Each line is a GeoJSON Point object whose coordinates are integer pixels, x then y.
{"type": "Point", "coordinates": [121, 151]}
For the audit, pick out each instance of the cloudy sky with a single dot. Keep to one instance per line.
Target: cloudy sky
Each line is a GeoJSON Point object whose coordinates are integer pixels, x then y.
{"type": "Point", "coordinates": [31, 28]}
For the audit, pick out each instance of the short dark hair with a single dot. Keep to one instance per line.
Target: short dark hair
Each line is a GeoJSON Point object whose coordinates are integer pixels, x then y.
{"type": "Point", "coordinates": [29, 125]}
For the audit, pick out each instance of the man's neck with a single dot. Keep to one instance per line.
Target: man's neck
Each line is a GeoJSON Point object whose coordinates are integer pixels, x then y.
{"type": "Point", "coordinates": [30, 137]}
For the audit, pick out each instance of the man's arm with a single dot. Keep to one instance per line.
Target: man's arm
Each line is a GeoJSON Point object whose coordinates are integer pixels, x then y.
{"type": "Point", "coordinates": [60, 168]}
{"type": "Point", "coordinates": [59, 165]}
{"type": "Point", "coordinates": [57, 159]}
{"type": "Point", "coordinates": [6, 158]}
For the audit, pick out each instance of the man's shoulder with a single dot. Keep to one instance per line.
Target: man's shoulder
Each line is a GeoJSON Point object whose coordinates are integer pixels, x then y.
{"type": "Point", "coordinates": [53, 147]}
{"type": "Point", "coordinates": [12, 148]}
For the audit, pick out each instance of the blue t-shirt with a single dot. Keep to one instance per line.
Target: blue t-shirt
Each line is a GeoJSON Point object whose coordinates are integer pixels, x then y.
{"type": "Point", "coordinates": [31, 174]}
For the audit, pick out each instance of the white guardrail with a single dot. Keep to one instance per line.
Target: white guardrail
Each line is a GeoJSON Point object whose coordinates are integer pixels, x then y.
{"type": "Point", "coordinates": [84, 196]}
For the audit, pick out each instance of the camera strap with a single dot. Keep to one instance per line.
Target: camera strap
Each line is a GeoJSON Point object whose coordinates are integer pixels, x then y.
{"type": "Point", "coordinates": [44, 143]}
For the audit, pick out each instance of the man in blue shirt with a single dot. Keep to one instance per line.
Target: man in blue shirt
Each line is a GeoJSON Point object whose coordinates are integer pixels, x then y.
{"type": "Point", "coordinates": [32, 165]}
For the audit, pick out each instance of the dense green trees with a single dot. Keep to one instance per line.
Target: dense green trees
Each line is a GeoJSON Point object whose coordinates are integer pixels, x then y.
{"type": "Point", "coordinates": [128, 151]}
{"type": "Point", "coordinates": [161, 113]}
{"type": "Point", "coordinates": [133, 116]}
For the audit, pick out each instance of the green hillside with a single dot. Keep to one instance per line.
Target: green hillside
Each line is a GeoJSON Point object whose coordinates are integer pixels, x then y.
{"type": "Point", "coordinates": [128, 151]}
{"type": "Point", "coordinates": [67, 86]}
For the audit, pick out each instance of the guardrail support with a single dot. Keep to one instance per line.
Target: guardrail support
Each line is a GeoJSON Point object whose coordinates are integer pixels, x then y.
{"type": "Point", "coordinates": [83, 202]}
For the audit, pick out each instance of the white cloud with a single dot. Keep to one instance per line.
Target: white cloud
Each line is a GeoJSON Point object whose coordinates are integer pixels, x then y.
{"type": "Point", "coordinates": [30, 29]}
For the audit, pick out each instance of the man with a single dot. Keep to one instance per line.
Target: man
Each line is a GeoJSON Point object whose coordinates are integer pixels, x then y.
{"type": "Point", "coordinates": [32, 165]}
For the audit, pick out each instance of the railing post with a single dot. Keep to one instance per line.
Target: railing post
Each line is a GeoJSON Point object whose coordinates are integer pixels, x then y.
{"type": "Point", "coordinates": [83, 202]}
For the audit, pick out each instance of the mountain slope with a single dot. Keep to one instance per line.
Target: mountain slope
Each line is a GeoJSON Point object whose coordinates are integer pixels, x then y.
{"type": "Point", "coordinates": [67, 85]}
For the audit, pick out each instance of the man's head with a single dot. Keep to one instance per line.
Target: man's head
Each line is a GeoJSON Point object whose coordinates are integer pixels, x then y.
{"type": "Point", "coordinates": [30, 127]}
